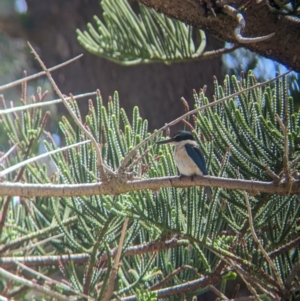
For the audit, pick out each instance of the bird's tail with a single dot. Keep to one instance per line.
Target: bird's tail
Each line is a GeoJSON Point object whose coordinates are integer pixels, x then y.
{"type": "Point", "coordinates": [208, 192]}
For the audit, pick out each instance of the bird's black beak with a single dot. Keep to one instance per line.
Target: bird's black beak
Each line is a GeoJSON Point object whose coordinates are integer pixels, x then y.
{"type": "Point", "coordinates": [165, 141]}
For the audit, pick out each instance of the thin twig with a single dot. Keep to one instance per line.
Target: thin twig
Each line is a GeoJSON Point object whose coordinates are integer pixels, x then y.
{"type": "Point", "coordinates": [24, 90]}
{"type": "Point", "coordinates": [249, 279]}
{"type": "Point", "coordinates": [93, 255]}
{"type": "Point", "coordinates": [52, 281]}
{"type": "Point", "coordinates": [138, 159]}
{"type": "Point", "coordinates": [286, 167]}
{"type": "Point", "coordinates": [189, 125]}
{"type": "Point", "coordinates": [294, 162]}
{"type": "Point", "coordinates": [33, 286]}
{"type": "Point", "coordinates": [34, 261]}
{"type": "Point", "coordinates": [216, 53]}
{"type": "Point", "coordinates": [44, 103]}
{"type": "Point", "coordinates": [286, 147]}
{"type": "Point", "coordinates": [30, 245]}
{"type": "Point", "coordinates": [77, 121]}
{"type": "Point", "coordinates": [114, 270]}
{"type": "Point", "coordinates": [245, 298]}
{"type": "Point", "coordinates": [272, 175]}
{"type": "Point", "coordinates": [217, 292]}
{"type": "Point", "coordinates": [132, 153]}
{"type": "Point", "coordinates": [171, 276]}
{"type": "Point", "coordinates": [262, 280]}
{"type": "Point", "coordinates": [188, 286]}
{"type": "Point", "coordinates": [292, 276]}
{"type": "Point", "coordinates": [8, 153]}
{"type": "Point", "coordinates": [33, 159]}
{"type": "Point", "coordinates": [31, 236]}
{"type": "Point", "coordinates": [27, 78]}
{"type": "Point", "coordinates": [241, 274]}
{"type": "Point", "coordinates": [285, 248]}
{"type": "Point", "coordinates": [289, 177]}
{"type": "Point", "coordinates": [232, 12]}
{"type": "Point", "coordinates": [265, 254]}
{"type": "Point", "coordinates": [17, 178]}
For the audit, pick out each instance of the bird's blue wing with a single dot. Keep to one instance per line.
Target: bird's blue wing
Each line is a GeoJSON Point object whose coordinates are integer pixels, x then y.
{"type": "Point", "coordinates": [197, 157]}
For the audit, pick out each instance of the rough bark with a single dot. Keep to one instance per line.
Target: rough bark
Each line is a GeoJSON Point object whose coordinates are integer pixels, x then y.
{"type": "Point", "coordinates": [260, 20]}
{"type": "Point", "coordinates": [156, 88]}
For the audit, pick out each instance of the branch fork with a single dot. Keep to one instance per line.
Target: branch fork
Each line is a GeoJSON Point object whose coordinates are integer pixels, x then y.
{"type": "Point", "coordinates": [232, 12]}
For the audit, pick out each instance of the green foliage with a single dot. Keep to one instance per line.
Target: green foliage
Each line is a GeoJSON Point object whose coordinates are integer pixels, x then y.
{"type": "Point", "coordinates": [239, 138]}
{"type": "Point", "coordinates": [128, 39]}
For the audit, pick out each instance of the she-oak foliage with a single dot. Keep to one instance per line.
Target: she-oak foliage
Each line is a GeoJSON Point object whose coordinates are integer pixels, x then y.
{"type": "Point", "coordinates": [239, 139]}
{"type": "Point", "coordinates": [128, 39]}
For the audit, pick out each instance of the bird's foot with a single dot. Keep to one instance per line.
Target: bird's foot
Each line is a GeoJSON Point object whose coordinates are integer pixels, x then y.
{"type": "Point", "coordinates": [184, 176]}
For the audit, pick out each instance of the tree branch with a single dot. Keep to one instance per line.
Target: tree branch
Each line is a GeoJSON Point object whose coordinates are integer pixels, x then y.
{"type": "Point", "coordinates": [41, 104]}
{"type": "Point", "coordinates": [100, 166]}
{"type": "Point", "coordinates": [260, 247]}
{"type": "Point", "coordinates": [213, 278]}
{"type": "Point", "coordinates": [51, 281]}
{"type": "Point", "coordinates": [36, 75]}
{"type": "Point", "coordinates": [232, 12]}
{"type": "Point", "coordinates": [33, 286]}
{"type": "Point", "coordinates": [34, 261]}
{"type": "Point", "coordinates": [133, 152]}
{"type": "Point", "coordinates": [116, 186]}
{"type": "Point", "coordinates": [260, 21]}
{"type": "Point", "coordinates": [115, 268]}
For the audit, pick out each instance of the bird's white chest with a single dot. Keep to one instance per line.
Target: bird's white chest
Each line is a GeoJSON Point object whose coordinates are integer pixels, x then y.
{"type": "Point", "coordinates": [185, 164]}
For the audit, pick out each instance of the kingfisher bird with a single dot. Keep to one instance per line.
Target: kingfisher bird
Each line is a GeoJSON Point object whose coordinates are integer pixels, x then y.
{"type": "Point", "coordinates": [188, 157]}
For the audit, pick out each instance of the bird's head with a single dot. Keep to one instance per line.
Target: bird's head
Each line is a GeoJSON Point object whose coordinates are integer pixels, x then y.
{"type": "Point", "coordinates": [178, 137]}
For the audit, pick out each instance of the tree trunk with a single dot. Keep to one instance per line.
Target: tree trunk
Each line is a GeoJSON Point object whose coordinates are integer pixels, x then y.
{"type": "Point", "coordinates": [155, 88]}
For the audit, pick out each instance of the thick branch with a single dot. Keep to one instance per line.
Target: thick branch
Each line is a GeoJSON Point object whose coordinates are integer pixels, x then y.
{"type": "Point", "coordinates": [116, 186]}
{"type": "Point", "coordinates": [283, 47]}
